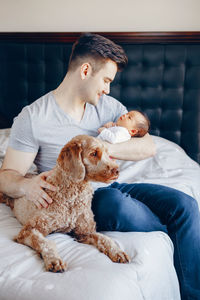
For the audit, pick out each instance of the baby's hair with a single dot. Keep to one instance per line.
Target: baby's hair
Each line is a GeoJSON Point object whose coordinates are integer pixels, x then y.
{"type": "Point", "coordinates": [143, 125]}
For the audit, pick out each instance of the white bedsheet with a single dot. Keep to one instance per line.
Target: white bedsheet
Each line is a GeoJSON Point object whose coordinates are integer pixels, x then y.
{"type": "Point", "coordinates": [91, 275]}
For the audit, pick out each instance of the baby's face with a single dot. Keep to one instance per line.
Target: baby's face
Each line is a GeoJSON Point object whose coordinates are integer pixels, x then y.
{"type": "Point", "coordinates": [128, 121]}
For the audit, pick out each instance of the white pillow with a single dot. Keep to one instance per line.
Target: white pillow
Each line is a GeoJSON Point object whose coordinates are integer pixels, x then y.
{"type": "Point", "coordinates": [4, 138]}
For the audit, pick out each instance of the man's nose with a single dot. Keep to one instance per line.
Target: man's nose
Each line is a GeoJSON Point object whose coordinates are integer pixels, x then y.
{"type": "Point", "coordinates": [107, 90]}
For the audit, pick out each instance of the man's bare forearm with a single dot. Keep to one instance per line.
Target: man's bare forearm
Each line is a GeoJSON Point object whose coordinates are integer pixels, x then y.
{"type": "Point", "coordinates": [134, 149]}
{"type": "Point", "coordinates": [11, 183]}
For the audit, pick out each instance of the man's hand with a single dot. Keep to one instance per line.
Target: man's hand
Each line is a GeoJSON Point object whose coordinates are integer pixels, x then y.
{"type": "Point", "coordinates": [13, 183]}
{"type": "Point", "coordinates": [33, 189]}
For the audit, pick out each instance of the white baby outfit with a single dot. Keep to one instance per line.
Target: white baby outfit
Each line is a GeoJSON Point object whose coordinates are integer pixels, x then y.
{"type": "Point", "coordinates": [115, 134]}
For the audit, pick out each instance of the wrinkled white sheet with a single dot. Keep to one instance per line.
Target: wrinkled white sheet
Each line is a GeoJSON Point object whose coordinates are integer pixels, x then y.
{"type": "Point", "coordinates": [91, 275]}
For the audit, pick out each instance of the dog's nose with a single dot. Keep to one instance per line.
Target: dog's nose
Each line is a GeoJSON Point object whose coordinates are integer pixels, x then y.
{"type": "Point", "coordinates": [115, 171]}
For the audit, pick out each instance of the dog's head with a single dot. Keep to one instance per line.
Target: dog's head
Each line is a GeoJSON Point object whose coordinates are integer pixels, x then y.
{"type": "Point", "coordinates": [86, 158]}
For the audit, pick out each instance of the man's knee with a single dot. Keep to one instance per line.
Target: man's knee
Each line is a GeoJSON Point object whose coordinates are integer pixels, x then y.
{"type": "Point", "coordinates": [107, 201]}
{"type": "Point", "coordinates": [107, 206]}
{"type": "Point", "coordinates": [185, 204]}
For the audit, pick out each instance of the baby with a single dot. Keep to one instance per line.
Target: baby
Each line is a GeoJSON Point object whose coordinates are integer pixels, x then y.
{"type": "Point", "coordinates": [134, 123]}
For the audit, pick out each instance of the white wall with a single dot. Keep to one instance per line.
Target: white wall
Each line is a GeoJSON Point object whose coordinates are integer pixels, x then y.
{"type": "Point", "coordinates": [99, 15]}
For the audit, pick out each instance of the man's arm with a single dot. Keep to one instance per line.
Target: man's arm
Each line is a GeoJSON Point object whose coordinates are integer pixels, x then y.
{"type": "Point", "coordinates": [14, 184]}
{"type": "Point", "coordinates": [134, 149]}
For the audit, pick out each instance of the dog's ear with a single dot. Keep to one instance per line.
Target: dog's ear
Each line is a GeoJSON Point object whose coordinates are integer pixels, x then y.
{"type": "Point", "coordinates": [70, 161]}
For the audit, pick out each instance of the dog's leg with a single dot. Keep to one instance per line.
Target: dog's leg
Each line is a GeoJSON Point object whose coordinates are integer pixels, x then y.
{"type": "Point", "coordinates": [105, 245]}
{"type": "Point", "coordinates": [35, 239]}
{"type": "Point", "coordinates": [85, 232]}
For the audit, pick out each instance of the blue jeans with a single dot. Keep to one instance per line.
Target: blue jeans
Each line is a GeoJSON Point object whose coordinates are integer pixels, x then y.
{"type": "Point", "coordinates": [151, 207]}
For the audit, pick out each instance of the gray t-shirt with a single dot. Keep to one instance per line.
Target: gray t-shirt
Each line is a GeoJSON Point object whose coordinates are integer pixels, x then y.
{"type": "Point", "coordinates": [44, 128]}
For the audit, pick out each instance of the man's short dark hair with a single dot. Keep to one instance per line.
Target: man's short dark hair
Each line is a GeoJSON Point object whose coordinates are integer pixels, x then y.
{"type": "Point", "coordinates": [97, 48]}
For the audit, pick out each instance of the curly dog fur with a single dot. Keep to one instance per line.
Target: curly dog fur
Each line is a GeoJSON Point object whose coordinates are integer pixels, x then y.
{"type": "Point", "coordinates": [81, 160]}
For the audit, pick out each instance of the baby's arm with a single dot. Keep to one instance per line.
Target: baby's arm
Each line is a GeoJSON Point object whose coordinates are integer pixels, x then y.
{"type": "Point", "coordinates": [114, 134]}
{"type": "Point", "coordinates": [107, 125]}
{"type": "Point", "coordinates": [107, 135]}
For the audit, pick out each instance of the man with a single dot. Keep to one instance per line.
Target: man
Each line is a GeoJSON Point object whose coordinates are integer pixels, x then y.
{"type": "Point", "coordinates": [80, 105]}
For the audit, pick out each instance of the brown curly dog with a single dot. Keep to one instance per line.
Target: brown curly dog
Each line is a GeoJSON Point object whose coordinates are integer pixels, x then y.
{"type": "Point", "coordinates": [81, 160]}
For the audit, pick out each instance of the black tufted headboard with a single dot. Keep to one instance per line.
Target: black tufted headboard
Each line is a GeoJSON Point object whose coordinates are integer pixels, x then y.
{"type": "Point", "coordinates": [162, 78]}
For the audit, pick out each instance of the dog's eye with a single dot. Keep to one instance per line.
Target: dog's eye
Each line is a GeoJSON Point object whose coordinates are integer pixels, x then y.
{"type": "Point", "coordinates": [94, 153]}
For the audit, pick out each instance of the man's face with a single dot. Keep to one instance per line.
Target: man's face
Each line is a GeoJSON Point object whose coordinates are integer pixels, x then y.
{"type": "Point", "coordinates": [97, 84]}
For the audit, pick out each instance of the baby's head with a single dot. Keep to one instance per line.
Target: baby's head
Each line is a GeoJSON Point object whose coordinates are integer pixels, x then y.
{"type": "Point", "coordinates": [136, 123]}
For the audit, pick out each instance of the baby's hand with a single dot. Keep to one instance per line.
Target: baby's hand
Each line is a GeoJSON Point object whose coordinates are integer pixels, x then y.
{"type": "Point", "coordinates": [101, 129]}
{"type": "Point", "coordinates": [109, 124]}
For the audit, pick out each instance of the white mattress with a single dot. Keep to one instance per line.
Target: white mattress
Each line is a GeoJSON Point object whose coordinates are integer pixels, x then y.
{"type": "Point", "coordinates": [91, 275]}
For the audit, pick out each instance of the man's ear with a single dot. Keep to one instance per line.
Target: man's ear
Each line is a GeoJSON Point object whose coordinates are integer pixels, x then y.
{"type": "Point", "coordinates": [86, 70]}
{"type": "Point", "coordinates": [133, 132]}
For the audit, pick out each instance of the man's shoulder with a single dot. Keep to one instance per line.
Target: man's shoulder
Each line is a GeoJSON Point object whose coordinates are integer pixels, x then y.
{"type": "Point", "coordinates": [37, 108]}
{"type": "Point", "coordinates": [110, 108]}
{"type": "Point", "coordinates": [112, 103]}
{"type": "Point", "coordinates": [108, 100]}
{"type": "Point", "coordinates": [40, 104]}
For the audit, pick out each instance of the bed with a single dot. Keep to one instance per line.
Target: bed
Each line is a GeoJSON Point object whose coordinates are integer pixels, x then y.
{"type": "Point", "coordinates": [162, 79]}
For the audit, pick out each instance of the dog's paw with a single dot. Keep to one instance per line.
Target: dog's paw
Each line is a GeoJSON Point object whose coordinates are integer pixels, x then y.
{"type": "Point", "coordinates": [119, 257]}
{"type": "Point", "coordinates": [56, 265]}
